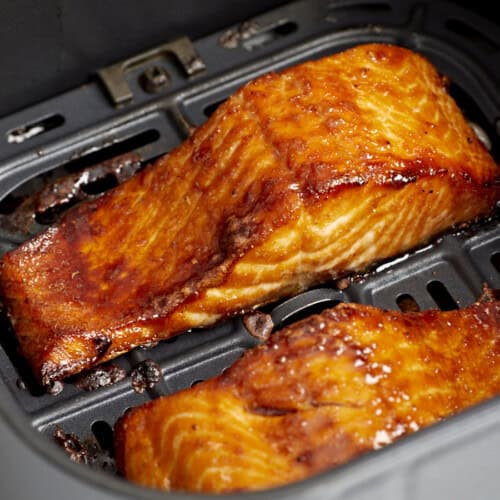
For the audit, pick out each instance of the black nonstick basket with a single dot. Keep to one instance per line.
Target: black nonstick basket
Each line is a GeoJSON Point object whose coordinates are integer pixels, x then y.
{"type": "Point", "coordinates": [82, 142]}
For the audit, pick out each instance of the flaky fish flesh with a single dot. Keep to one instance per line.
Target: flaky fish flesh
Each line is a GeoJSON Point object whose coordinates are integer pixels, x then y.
{"type": "Point", "coordinates": [318, 393]}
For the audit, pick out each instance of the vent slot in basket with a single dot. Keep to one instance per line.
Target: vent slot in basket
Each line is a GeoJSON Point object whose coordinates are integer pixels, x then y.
{"type": "Point", "coordinates": [495, 260]}
{"type": "Point", "coordinates": [43, 199]}
{"type": "Point", "coordinates": [442, 296]}
{"type": "Point", "coordinates": [407, 303]}
{"type": "Point", "coordinates": [34, 129]}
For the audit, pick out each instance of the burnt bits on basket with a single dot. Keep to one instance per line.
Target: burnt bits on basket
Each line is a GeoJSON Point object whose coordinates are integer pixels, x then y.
{"type": "Point", "coordinates": [72, 446]}
{"type": "Point", "coordinates": [100, 376]}
{"type": "Point", "coordinates": [49, 203]}
{"type": "Point", "coordinates": [145, 375]}
{"type": "Point", "coordinates": [259, 324]}
{"type": "Point", "coordinates": [86, 452]}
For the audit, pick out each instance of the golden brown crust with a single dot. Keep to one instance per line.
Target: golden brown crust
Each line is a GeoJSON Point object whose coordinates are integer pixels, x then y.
{"type": "Point", "coordinates": [298, 177]}
{"type": "Point", "coordinates": [317, 394]}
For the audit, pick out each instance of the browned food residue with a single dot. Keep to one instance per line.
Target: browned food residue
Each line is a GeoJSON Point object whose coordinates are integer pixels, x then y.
{"type": "Point", "coordinates": [100, 376]}
{"type": "Point", "coordinates": [145, 375]}
{"type": "Point", "coordinates": [86, 452]}
{"type": "Point", "coordinates": [259, 324]}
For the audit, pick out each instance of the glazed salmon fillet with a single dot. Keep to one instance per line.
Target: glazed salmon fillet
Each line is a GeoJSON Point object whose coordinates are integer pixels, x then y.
{"type": "Point", "coordinates": [318, 393]}
{"type": "Point", "coordinates": [298, 178]}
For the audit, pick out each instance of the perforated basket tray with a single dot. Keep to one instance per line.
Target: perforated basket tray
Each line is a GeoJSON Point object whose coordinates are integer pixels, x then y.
{"type": "Point", "coordinates": [447, 274]}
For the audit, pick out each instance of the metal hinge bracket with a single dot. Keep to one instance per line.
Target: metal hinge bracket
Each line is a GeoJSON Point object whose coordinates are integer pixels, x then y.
{"type": "Point", "coordinates": [114, 76]}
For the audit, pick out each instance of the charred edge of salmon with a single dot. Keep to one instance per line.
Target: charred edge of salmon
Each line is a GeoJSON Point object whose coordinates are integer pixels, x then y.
{"type": "Point", "coordinates": [92, 349]}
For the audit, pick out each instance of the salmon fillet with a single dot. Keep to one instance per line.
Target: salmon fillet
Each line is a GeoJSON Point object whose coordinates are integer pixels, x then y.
{"type": "Point", "coordinates": [298, 178]}
{"type": "Point", "coordinates": [318, 393]}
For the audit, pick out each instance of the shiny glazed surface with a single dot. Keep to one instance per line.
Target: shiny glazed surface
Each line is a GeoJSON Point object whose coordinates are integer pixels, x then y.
{"type": "Point", "coordinates": [318, 393]}
{"type": "Point", "coordinates": [298, 178]}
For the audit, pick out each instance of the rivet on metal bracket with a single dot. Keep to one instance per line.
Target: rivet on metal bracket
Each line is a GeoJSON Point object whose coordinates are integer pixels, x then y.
{"type": "Point", "coordinates": [154, 79]}
{"type": "Point", "coordinates": [114, 76]}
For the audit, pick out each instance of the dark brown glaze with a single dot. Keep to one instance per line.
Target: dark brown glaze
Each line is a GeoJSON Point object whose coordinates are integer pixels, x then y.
{"type": "Point", "coordinates": [318, 393]}
{"type": "Point", "coordinates": [298, 178]}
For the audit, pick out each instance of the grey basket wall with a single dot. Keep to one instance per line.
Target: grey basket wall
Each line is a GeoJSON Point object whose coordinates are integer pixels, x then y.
{"type": "Point", "coordinates": [454, 459]}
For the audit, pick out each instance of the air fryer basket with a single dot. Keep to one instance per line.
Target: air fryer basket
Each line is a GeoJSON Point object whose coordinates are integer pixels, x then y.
{"type": "Point", "coordinates": [147, 106]}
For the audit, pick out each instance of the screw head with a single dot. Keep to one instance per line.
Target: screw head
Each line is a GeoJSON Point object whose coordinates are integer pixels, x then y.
{"type": "Point", "coordinates": [154, 79]}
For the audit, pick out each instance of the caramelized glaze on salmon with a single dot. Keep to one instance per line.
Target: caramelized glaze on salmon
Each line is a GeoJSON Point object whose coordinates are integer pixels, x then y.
{"type": "Point", "coordinates": [318, 393]}
{"type": "Point", "coordinates": [298, 178]}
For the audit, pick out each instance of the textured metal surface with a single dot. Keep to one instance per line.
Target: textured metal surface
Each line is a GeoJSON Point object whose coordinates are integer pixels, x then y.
{"type": "Point", "coordinates": [448, 273]}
